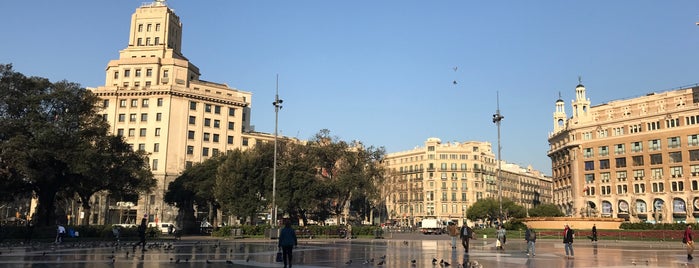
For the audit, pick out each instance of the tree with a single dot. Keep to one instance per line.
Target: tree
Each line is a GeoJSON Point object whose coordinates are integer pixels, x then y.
{"type": "Point", "coordinates": [488, 209]}
{"type": "Point", "coordinates": [48, 131]}
{"type": "Point", "coordinates": [546, 210]}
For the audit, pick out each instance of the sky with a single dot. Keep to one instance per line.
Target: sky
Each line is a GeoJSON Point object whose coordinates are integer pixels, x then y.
{"type": "Point", "coordinates": [383, 72]}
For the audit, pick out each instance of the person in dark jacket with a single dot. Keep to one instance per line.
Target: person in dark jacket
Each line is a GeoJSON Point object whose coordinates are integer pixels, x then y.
{"type": "Point", "coordinates": [466, 234]}
{"type": "Point", "coordinates": [142, 234]}
{"type": "Point", "coordinates": [688, 241]}
{"type": "Point", "coordinates": [287, 241]}
{"type": "Point", "coordinates": [530, 237]}
{"type": "Point", "coordinates": [568, 236]}
{"type": "Point", "coordinates": [594, 233]}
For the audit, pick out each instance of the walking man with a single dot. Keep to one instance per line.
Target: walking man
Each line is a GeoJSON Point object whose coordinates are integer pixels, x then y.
{"type": "Point", "coordinates": [287, 242]}
{"type": "Point", "coordinates": [530, 237]}
{"type": "Point", "coordinates": [501, 234]}
{"type": "Point", "coordinates": [568, 236]}
{"type": "Point", "coordinates": [594, 233]}
{"type": "Point", "coordinates": [466, 234]}
{"type": "Point", "coordinates": [142, 234]}
{"type": "Point", "coordinates": [688, 241]}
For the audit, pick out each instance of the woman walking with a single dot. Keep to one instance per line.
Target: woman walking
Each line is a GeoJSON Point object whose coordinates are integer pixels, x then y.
{"type": "Point", "coordinates": [688, 241]}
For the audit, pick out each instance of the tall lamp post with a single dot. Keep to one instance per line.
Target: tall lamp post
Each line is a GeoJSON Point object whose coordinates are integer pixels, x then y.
{"type": "Point", "coordinates": [497, 117]}
{"type": "Point", "coordinates": [277, 106]}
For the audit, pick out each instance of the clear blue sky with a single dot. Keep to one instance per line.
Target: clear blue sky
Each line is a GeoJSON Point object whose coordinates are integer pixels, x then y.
{"type": "Point", "coordinates": [381, 71]}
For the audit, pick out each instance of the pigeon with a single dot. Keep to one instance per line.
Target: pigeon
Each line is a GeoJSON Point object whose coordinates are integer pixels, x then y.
{"type": "Point", "coordinates": [434, 261]}
{"type": "Point", "coordinates": [229, 261]}
{"type": "Point", "coordinates": [413, 262]}
{"type": "Point", "coordinates": [208, 261]}
{"type": "Point", "coordinates": [171, 259]}
{"type": "Point", "coordinates": [455, 82]}
{"type": "Point", "coordinates": [247, 259]}
{"type": "Point", "coordinates": [348, 262]}
{"type": "Point", "coordinates": [177, 261]}
{"type": "Point", "coordinates": [371, 260]}
{"type": "Point", "coordinates": [405, 243]}
{"type": "Point", "coordinates": [380, 263]}
{"type": "Point", "coordinates": [446, 264]}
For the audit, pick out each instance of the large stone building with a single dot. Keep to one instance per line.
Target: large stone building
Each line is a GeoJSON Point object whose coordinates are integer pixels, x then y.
{"type": "Point", "coordinates": [635, 158]}
{"type": "Point", "coordinates": [442, 180]}
{"type": "Point", "coordinates": [154, 98]}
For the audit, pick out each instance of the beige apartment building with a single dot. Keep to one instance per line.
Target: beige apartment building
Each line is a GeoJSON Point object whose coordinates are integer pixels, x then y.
{"type": "Point", "coordinates": [636, 158]}
{"type": "Point", "coordinates": [442, 180]}
{"type": "Point", "coordinates": [154, 98]}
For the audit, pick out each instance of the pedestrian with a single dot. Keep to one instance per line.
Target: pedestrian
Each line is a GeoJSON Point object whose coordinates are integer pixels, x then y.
{"type": "Point", "coordinates": [688, 241]}
{"type": "Point", "coordinates": [30, 231]}
{"type": "Point", "coordinates": [117, 234]}
{"type": "Point", "coordinates": [568, 236]}
{"type": "Point", "coordinates": [142, 234]}
{"type": "Point", "coordinates": [530, 237]}
{"type": "Point", "coordinates": [287, 242]}
{"type": "Point", "coordinates": [453, 233]}
{"type": "Point", "coordinates": [466, 234]}
{"type": "Point", "coordinates": [60, 232]}
{"type": "Point", "coordinates": [501, 234]}
{"type": "Point", "coordinates": [594, 233]}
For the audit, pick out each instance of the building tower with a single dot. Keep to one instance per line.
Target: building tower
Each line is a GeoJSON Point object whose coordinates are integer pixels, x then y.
{"type": "Point", "coordinates": [153, 96]}
{"type": "Point", "coordinates": [559, 116]}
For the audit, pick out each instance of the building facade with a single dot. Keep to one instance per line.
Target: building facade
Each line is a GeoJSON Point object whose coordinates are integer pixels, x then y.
{"type": "Point", "coordinates": [636, 158]}
{"type": "Point", "coordinates": [442, 180]}
{"type": "Point", "coordinates": [154, 98]}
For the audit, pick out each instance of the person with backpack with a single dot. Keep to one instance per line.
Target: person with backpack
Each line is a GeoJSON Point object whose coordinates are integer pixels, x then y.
{"type": "Point", "coordinates": [530, 237]}
{"type": "Point", "coordinates": [466, 234]}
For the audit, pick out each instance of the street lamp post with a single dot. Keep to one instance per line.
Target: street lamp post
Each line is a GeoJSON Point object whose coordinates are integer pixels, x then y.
{"type": "Point", "coordinates": [277, 106]}
{"type": "Point", "coordinates": [497, 117]}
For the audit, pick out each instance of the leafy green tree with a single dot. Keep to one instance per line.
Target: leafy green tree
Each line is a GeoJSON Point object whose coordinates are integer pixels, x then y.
{"type": "Point", "coordinates": [488, 209]}
{"type": "Point", "coordinates": [546, 210]}
{"type": "Point", "coordinates": [49, 132]}
{"type": "Point", "coordinates": [195, 187]}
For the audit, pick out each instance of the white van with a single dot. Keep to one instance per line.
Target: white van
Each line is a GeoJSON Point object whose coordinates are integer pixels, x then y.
{"type": "Point", "coordinates": [164, 226]}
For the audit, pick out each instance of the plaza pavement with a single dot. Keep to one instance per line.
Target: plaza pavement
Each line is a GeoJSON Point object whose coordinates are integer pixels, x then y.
{"type": "Point", "coordinates": [396, 250]}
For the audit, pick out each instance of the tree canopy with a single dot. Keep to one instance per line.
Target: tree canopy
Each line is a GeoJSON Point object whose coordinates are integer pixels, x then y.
{"type": "Point", "coordinates": [53, 142]}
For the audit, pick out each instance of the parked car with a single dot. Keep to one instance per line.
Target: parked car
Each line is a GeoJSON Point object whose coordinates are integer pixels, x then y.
{"type": "Point", "coordinates": [164, 226]}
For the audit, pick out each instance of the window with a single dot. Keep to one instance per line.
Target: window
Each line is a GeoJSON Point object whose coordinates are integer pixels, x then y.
{"type": "Point", "coordinates": [245, 141]}
{"type": "Point", "coordinates": [158, 117]}
{"type": "Point", "coordinates": [144, 103]}
{"type": "Point", "coordinates": [147, 41]}
{"type": "Point", "coordinates": [148, 27]}
{"type": "Point", "coordinates": [157, 27]}
{"type": "Point", "coordinates": [620, 162]}
{"type": "Point", "coordinates": [157, 132]}
{"type": "Point", "coordinates": [637, 147]}
{"type": "Point", "coordinates": [621, 175]}
{"type": "Point", "coordinates": [603, 150]}
{"type": "Point", "coordinates": [190, 134]}
{"type": "Point", "coordinates": [140, 28]}
{"type": "Point", "coordinates": [141, 146]}
{"type": "Point", "coordinates": [693, 155]}
{"type": "Point", "coordinates": [653, 125]}
{"type": "Point", "coordinates": [589, 165]}
{"type": "Point", "coordinates": [144, 117]}
{"type": "Point", "coordinates": [156, 147]}
{"type": "Point", "coordinates": [691, 120]}
{"type": "Point", "coordinates": [639, 174]}
{"type": "Point", "coordinates": [215, 138]}
{"type": "Point", "coordinates": [635, 128]}
{"type": "Point", "coordinates": [589, 178]}
{"type": "Point", "coordinates": [193, 105]}
{"type": "Point", "coordinates": [192, 120]}
{"type": "Point", "coordinates": [619, 149]}
{"type": "Point", "coordinates": [604, 164]}
{"type": "Point", "coordinates": [188, 164]}
{"type": "Point", "coordinates": [217, 109]}
{"type": "Point", "coordinates": [116, 75]}
{"type": "Point", "coordinates": [656, 173]}
{"type": "Point", "coordinates": [673, 142]}
{"type": "Point", "coordinates": [205, 151]}
{"type": "Point", "coordinates": [160, 102]}
{"type": "Point", "coordinates": [587, 135]}
{"type": "Point", "coordinates": [639, 188]}
{"type": "Point", "coordinates": [157, 41]}
{"type": "Point", "coordinates": [677, 186]}
{"type": "Point", "coordinates": [217, 123]}
{"type": "Point", "coordinates": [127, 73]}
{"type": "Point", "coordinates": [618, 131]}
{"type": "Point", "coordinates": [122, 103]}
{"type": "Point", "coordinates": [165, 73]}
{"type": "Point", "coordinates": [142, 132]}
{"type": "Point", "coordinates": [230, 125]}
{"type": "Point", "coordinates": [190, 149]}
{"type": "Point", "coordinates": [637, 160]}
{"type": "Point", "coordinates": [654, 145]}
{"type": "Point", "coordinates": [132, 117]}
{"type": "Point", "coordinates": [587, 152]}
{"type": "Point", "coordinates": [155, 164]}
{"type": "Point", "coordinates": [658, 187]}
{"type": "Point", "coordinates": [120, 132]}
{"type": "Point", "coordinates": [139, 41]}
{"type": "Point", "coordinates": [207, 122]}
{"type": "Point", "coordinates": [231, 111]}
{"type": "Point", "coordinates": [207, 108]}
{"type": "Point", "coordinates": [695, 185]}
{"type": "Point", "coordinates": [132, 132]}
{"type": "Point", "coordinates": [122, 117]}
{"type": "Point", "coordinates": [656, 159]}
{"type": "Point", "coordinates": [675, 122]}
{"type": "Point", "coordinates": [206, 136]}
{"type": "Point", "coordinates": [675, 157]}
{"type": "Point", "coordinates": [149, 72]}
{"type": "Point", "coordinates": [137, 73]}
{"type": "Point", "coordinates": [230, 140]}
{"type": "Point", "coordinates": [621, 189]}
